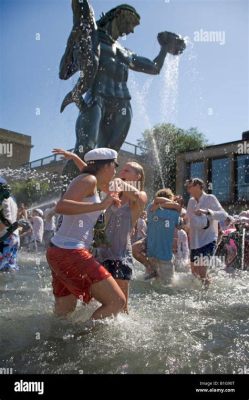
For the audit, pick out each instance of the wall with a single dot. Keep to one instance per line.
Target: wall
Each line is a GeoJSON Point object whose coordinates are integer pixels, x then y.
{"type": "Point", "coordinates": [230, 150]}
{"type": "Point", "coordinates": [15, 148]}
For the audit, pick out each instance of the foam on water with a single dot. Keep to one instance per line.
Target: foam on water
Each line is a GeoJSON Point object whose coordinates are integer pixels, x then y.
{"type": "Point", "coordinates": [177, 329]}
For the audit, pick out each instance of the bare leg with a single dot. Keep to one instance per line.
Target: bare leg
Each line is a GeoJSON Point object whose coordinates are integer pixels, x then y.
{"type": "Point", "coordinates": [109, 294]}
{"type": "Point", "coordinates": [139, 254]}
{"type": "Point", "coordinates": [114, 127]}
{"type": "Point", "coordinates": [124, 286]}
{"type": "Point", "coordinates": [87, 128]}
{"type": "Point", "coordinates": [64, 305]}
{"type": "Point", "coordinates": [200, 271]}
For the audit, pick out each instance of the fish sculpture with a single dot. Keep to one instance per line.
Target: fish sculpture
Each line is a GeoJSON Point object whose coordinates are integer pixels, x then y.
{"type": "Point", "coordinates": [81, 54]}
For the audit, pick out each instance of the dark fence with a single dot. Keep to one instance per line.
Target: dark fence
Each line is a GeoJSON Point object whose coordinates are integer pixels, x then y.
{"type": "Point", "coordinates": [128, 147]}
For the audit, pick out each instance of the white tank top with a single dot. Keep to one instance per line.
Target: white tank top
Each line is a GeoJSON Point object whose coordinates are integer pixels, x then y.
{"type": "Point", "coordinates": [76, 231]}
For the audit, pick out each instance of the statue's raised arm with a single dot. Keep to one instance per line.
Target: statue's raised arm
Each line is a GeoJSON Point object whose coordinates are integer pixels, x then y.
{"type": "Point", "coordinates": [169, 42]}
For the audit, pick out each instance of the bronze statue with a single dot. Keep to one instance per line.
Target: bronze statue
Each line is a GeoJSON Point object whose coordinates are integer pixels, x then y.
{"type": "Point", "coordinates": [92, 48]}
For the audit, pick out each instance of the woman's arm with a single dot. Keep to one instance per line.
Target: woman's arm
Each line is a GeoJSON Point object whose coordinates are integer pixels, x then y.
{"type": "Point", "coordinates": [132, 193]}
{"type": "Point", "coordinates": [165, 203]}
{"type": "Point", "coordinates": [68, 155]}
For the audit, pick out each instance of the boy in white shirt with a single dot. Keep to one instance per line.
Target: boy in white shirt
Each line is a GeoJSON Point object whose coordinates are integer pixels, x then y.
{"type": "Point", "coordinates": [38, 226]}
{"type": "Point", "coordinates": [203, 212]}
{"type": "Point", "coordinates": [9, 242]}
{"type": "Point", "coordinates": [49, 223]}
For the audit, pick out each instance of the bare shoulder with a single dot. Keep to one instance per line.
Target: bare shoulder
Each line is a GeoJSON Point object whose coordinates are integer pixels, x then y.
{"type": "Point", "coordinates": [82, 186]}
{"type": "Point", "coordinates": [85, 178]}
{"type": "Point", "coordinates": [143, 197]}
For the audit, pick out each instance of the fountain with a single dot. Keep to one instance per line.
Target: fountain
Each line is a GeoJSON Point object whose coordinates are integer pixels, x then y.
{"type": "Point", "coordinates": [92, 48]}
{"type": "Point", "coordinates": [170, 330]}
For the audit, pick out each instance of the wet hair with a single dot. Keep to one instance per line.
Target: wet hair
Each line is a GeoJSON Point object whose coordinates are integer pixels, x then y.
{"type": "Point", "coordinates": [114, 12]}
{"type": "Point", "coordinates": [194, 182]}
{"type": "Point", "coordinates": [93, 167]}
{"type": "Point", "coordinates": [139, 170]}
{"type": "Point", "coordinates": [166, 192]}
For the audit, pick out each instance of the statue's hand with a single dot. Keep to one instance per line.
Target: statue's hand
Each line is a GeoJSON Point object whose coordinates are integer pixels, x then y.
{"type": "Point", "coordinates": [174, 43]}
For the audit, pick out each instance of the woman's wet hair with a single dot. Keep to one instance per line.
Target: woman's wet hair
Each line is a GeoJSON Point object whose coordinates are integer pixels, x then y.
{"type": "Point", "coordinates": [139, 171]}
{"type": "Point", "coordinates": [166, 192]}
{"type": "Point", "coordinates": [93, 167]}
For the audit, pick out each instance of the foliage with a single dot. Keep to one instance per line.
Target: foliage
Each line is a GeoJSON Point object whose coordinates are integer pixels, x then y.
{"type": "Point", "coordinates": [31, 190]}
{"type": "Point", "coordinates": [162, 144]}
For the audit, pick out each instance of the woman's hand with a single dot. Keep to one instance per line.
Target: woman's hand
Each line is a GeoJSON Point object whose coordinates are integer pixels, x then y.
{"type": "Point", "coordinates": [68, 155]}
{"type": "Point", "coordinates": [201, 212]}
{"type": "Point", "coordinates": [178, 199]}
{"type": "Point", "coordinates": [111, 199]}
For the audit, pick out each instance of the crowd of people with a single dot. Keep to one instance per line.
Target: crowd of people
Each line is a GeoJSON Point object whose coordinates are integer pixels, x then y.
{"type": "Point", "coordinates": [162, 235]}
{"type": "Point", "coordinates": [36, 226]}
{"type": "Point", "coordinates": [22, 228]}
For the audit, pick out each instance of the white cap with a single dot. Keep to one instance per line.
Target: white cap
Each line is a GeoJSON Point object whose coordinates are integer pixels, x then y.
{"type": "Point", "coordinates": [103, 153]}
{"type": "Point", "coordinates": [39, 211]}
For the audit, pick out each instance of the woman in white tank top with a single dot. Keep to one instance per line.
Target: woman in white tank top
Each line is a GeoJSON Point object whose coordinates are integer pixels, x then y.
{"type": "Point", "coordinates": [117, 258]}
{"type": "Point", "coordinates": [75, 272]}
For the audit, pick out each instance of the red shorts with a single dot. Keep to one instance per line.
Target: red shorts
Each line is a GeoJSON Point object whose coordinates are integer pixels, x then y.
{"type": "Point", "coordinates": [74, 271]}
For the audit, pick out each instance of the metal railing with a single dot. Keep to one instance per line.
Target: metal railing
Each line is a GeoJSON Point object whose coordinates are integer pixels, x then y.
{"type": "Point", "coordinates": [128, 147]}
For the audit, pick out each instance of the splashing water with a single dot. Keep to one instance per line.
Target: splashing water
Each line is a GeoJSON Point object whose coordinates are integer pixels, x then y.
{"type": "Point", "coordinates": [168, 100]}
{"type": "Point", "coordinates": [177, 329]}
{"type": "Point", "coordinates": [168, 95]}
{"type": "Point", "coordinates": [43, 204]}
{"type": "Point", "coordinates": [140, 97]}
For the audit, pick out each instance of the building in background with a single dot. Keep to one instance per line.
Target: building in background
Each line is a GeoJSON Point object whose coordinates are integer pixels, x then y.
{"type": "Point", "coordinates": [15, 149]}
{"type": "Point", "coordinates": [224, 169]}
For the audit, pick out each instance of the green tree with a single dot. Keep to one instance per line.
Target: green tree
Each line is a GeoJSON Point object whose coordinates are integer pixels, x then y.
{"type": "Point", "coordinates": [34, 190]}
{"type": "Point", "coordinates": [162, 144]}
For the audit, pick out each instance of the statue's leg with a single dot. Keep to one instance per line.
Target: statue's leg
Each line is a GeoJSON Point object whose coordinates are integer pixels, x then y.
{"type": "Point", "coordinates": [115, 126]}
{"type": "Point", "coordinates": [87, 128]}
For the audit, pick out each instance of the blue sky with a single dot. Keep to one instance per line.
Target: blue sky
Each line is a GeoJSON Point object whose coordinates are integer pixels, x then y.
{"type": "Point", "coordinates": [213, 78]}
